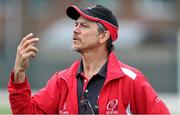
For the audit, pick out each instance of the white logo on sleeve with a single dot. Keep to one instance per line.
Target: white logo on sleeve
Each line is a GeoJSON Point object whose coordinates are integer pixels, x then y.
{"type": "Point", "coordinates": [129, 73]}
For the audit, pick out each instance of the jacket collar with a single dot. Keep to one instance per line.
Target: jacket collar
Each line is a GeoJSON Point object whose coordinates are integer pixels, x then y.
{"type": "Point", "coordinates": [102, 72]}
{"type": "Point", "coordinates": [113, 70]}
{"type": "Point", "coordinates": [69, 74]}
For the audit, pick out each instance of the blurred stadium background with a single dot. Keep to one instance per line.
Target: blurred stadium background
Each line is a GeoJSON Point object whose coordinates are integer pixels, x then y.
{"type": "Point", "coordinates": [149, 39]}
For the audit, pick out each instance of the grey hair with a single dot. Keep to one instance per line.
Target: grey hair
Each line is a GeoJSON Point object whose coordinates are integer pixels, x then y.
{"type": "Point", "coordinates": [101, 28]}
{"type": "Point", "coordinates": [109, 44]}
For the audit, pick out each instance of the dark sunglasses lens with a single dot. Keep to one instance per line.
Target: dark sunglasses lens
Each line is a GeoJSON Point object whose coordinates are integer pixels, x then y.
{"type": "Point", "coordinates": [86, 107]}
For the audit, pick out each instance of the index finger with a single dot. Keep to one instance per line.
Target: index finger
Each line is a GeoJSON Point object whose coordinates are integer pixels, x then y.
{"type": "Point", "coordinates": [26, 38]}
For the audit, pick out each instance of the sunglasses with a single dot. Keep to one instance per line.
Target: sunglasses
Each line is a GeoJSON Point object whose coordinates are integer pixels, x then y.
{"type": "Point", "coordinates": [86, 106]}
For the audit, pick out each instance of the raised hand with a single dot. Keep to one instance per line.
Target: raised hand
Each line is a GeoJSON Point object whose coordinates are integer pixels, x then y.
{"type": "Point", "coordinates": [25, 50]}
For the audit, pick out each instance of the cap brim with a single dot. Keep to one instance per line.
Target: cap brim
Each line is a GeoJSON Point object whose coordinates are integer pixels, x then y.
{"type": "Point", "coordinates": [74, 13]}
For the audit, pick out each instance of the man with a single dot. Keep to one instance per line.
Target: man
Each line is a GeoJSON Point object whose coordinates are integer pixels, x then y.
{"type": "Point", "coordinates": [97, 84]}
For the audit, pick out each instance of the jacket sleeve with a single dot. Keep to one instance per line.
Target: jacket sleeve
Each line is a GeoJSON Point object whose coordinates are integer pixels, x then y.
{"type": "Point", "coordinates": [146, 99]}
{"type": "Point", "coordinates": [45, 101]}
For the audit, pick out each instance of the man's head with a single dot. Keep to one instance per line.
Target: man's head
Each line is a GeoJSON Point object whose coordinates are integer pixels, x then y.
{"type": "Point", "coordinates": [106, 22]}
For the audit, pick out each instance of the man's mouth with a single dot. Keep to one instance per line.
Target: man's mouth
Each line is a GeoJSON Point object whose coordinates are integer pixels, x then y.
{"type": "Point", "coordinates": [75, 38]}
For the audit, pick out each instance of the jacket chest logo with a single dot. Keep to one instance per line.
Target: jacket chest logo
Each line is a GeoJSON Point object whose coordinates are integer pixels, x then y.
{"type": "Point", "coordinates": [64, 109]}
{"type": "Point", "coordinates": [112, 106]}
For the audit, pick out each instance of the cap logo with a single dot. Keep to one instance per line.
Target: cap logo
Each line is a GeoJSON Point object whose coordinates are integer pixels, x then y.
{"type": "Point", "coordinates": [90, 7]}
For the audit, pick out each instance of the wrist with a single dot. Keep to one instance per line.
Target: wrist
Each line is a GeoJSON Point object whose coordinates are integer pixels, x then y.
{"type": "Point", "coordinates": [19, 76]}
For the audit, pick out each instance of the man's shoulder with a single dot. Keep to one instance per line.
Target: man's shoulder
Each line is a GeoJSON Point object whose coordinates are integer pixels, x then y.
{"type": "Point", "coordinates": [68, 71]}
{"type": "Point", "coordinates": [127, 70]}
{"type": "Point", "coordinates": [130, 71]}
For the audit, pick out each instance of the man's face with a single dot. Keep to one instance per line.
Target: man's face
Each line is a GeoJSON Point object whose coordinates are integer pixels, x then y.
{"type": "Point", "coordinates": [85, 35]}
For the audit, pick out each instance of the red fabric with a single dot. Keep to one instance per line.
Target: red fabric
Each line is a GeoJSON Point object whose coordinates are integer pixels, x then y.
{"type": "Point", "coordinates": [124, 86]}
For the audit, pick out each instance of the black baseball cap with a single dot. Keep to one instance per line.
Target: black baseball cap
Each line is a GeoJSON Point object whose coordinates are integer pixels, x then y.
{"type": "Point", "coordinates": [96, 13]}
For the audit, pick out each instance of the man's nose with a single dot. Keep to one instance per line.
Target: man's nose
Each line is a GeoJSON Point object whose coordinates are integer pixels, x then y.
{"type": "Point", "coordinates": [76, 29]}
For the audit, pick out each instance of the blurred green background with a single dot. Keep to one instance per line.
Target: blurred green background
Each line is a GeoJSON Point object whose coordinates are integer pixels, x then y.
{"type": "Point", "coordinates": [5, 110]}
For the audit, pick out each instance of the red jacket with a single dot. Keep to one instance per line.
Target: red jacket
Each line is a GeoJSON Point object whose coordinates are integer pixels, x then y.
{"type": "Point", "coordinates": [125, 91]}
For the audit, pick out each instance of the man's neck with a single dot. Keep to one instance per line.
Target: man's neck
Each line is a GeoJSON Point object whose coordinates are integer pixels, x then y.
{"type": "Point", "coordinates": [92, 62]}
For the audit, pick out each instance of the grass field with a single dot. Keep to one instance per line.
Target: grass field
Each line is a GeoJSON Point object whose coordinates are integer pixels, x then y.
{"type": "Point", "coordinates": [4, 102]}
{"type": "Point", "coordinates": [5, 110]}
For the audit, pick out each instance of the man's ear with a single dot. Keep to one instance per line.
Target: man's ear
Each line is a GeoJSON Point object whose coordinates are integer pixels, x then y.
{"type": "Point", "coordinates": [104, 37]}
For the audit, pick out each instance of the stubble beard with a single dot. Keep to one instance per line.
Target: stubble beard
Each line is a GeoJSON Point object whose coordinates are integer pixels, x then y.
{"type": "Point", "coordinates": [75, 49]}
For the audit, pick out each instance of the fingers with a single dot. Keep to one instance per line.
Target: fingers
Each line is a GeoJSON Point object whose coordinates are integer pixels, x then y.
{"type": "Point", "coordinates": [28, 42]}
{"type": "Point", "coordinates": [29, 54]}
{"type": "Point", "coordinates": [26, 37]}
{"type": "Point", "coordinates": [27, 47]}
